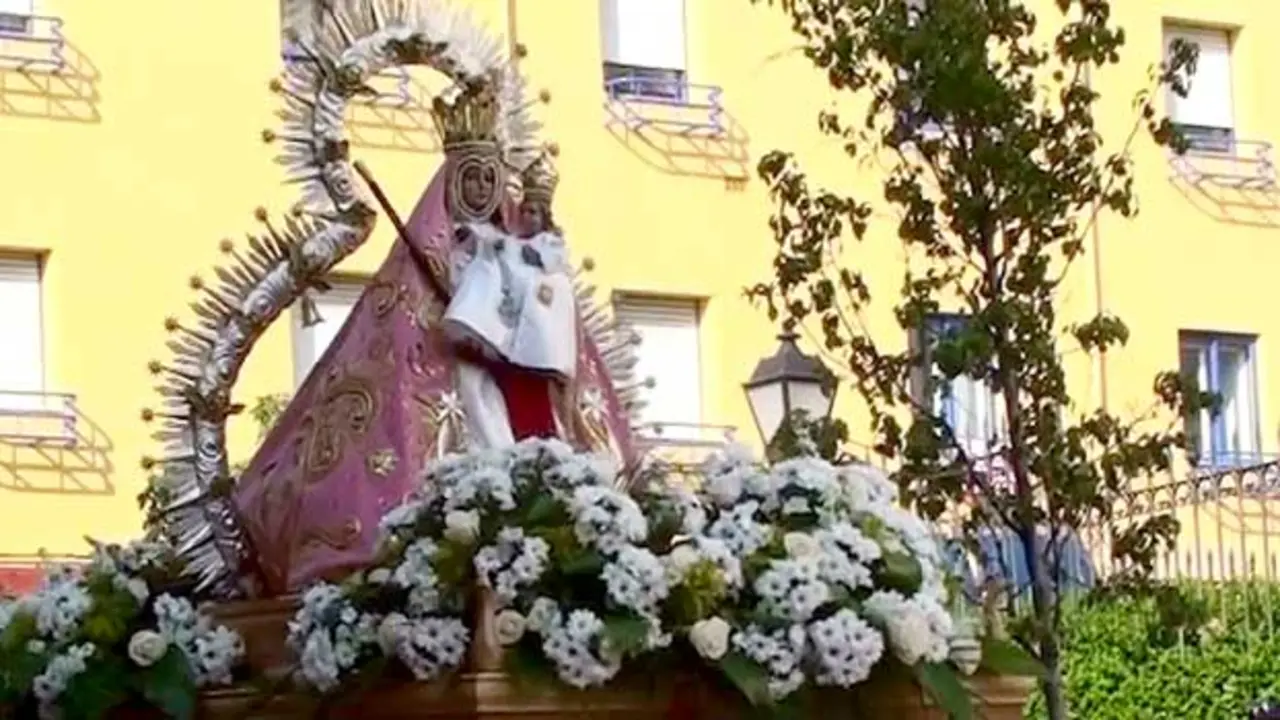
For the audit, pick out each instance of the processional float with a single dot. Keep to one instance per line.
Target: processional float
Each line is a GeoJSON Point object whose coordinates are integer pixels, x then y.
{"type": "Point", "coordinates": [475, 333]}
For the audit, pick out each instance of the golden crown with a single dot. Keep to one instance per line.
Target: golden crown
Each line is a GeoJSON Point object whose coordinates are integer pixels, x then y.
{"type": "Point", "coordinates": [470, 121]}
{"type": "Point", "coordinates": [540, 179]}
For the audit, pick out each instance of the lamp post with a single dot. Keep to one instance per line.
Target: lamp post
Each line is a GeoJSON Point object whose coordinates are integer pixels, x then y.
{"type": "Point", "coordinates": [787, 382]}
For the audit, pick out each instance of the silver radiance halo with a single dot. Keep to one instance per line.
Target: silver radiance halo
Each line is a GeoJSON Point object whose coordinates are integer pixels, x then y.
{"type": "Point", "coordinates": [191, 495]}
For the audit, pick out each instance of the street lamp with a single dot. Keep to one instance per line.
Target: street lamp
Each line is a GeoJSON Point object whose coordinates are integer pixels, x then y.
{"type": "Point", "coordinates": [788, 382]}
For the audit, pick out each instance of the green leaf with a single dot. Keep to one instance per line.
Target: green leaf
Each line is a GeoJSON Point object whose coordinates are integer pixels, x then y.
{"type": "Point", "coordinates": [626, 633]}
{"type": "Point", "coordinates": [1006, 657]}
{"type": "Point", "coordinates": [943, 684]}
{"type": "Point", "coordinates": [750, 679]}
{"type": "Point", "coordinates": [526, 663]}
{"type": "Point", "coordinates": [543, 510]}
{"type": "Point", "coordinates": [103, 686]}
{"type": "Point", "coordinates": [901, 572]}
{"type": "Point", "coordinates": [582, 562]}
{"type": "Point", "coordinates": [170, 686]}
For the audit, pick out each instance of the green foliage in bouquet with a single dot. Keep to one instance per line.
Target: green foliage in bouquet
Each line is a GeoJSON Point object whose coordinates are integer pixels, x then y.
{"type": "Point", "coordinates": [110, 635]}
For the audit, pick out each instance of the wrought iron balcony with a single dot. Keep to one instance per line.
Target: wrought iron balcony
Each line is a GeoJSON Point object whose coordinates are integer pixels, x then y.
{"type": "Point", "coordinates": [37, 419]}
{"type": "Point", "coordinates": [662, 100]}
{"type": "Point", "coordinates": [683, 443]}
{"type": "Point", "coordinates": [32, 42]}
{"type": "Point", "coordinates": [1222, 159]}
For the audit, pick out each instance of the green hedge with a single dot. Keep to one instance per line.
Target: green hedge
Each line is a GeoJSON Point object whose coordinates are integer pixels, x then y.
{"type": "Point", "coordinates": [1197, 653]}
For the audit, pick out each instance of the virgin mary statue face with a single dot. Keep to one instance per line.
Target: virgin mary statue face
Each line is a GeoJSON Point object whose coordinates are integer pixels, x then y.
{"type": "Point", "coordinates": [479, 183]}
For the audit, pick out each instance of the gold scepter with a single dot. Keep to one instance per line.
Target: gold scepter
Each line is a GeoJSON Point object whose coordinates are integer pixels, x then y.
{"type": "Point", "coordinates": [429, 265]}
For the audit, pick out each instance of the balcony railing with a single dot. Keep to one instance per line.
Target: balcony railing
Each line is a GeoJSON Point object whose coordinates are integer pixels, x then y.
{"type": "Point", "coordinates": [32, 42]}
{"type": "Point", "coordinates": [662, 100]}
{"type": "Point", "coordinates": [35, 418]}
{"type": "Point", "coordinates": [1226, 161]}
{"type": "Point", "coordinates": [683, 443]}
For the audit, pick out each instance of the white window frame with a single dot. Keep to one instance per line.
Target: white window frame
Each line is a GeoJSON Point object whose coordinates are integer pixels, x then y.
{"type": "Point", "coordinates": [673, 410]}
{"type": "Point", "coordinates": [335, 306]}
{"type": "Point", "coordinates": [16, 16]}
{"type": "Point", "coordinates": [23, 275]}
{"type": "Point", "coordinates": [971, 409]}
{"type": "Point", "coordinates": [1217, 444]}
{"type": "Point", "coordinates": [640, 66]}
{"type": "Point", "coordinates": [1206, 116]}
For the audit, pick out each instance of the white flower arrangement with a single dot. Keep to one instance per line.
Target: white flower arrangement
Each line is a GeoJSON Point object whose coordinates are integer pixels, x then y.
{"type": "Point", "coordinates": [543, 530]}
{"type": "Point", "coordinates": [106, 634]}
{"type": "Point", "coordinates": [800, 575]}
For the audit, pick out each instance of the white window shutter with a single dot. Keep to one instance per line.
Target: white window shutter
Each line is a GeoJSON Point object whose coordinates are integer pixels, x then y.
{"type": "Point", "coordinates": [669, 353]}
{"type": "Point", "coordinates": [310, 343]}
{"type": "Point", "coordinates": [643, 33]}
{"type": "Point", "coordinates": [21, 334]}
{"type": "Point", "coordinates": [1209, 102]}
{"type": "Point", "coordinates": [17, 7]}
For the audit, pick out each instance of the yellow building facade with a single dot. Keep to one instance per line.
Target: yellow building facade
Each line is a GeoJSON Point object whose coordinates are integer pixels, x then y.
{"type": "Point", "coordinates": [130, 139]}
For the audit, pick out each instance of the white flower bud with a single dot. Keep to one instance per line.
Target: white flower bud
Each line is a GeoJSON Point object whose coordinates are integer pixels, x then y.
{"type": "Point", "coordinates": [509, 627]}
{"type": "Point", "coordinates": [146, 647]}
{"type": "Point", "coordinates": [710, 637]}
{"type": "Point", "coordinates": [390, 630]}
{"type": "Point", "coordinates": [462, 526]}
{"type": "Point", "coordinates": [800, 545]}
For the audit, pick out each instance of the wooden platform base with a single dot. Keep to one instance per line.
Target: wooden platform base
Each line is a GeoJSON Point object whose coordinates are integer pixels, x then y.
{"type": "Point", "coordinates": [495, 695]}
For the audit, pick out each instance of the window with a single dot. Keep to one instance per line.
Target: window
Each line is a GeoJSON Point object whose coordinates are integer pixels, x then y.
{"type": "Point", "coordinates": [1223, 365]}
{"type": "Point", "coordinates": [669, 353]}
{"type": "Point", "coordinates": [973, 411]}
{"type": "Point", "coordinates": [1205, 115]}
{"type": "Point", "coordinates": [21, 334]}
{"type": "Point", "coordinates": [310, 343]}
{"type": "Point", "coordinates": [644, 53]}
{"type": "Point", "coordinates": [15, 17]}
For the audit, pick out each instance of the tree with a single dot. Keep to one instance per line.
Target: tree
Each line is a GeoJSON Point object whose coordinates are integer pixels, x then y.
{"type": "Point", "coordinates": [995, 167]}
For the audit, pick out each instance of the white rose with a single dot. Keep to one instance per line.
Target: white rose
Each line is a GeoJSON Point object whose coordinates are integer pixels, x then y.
{"type": "Point", "coordinates": [509, 627]}
{"type": "Point", "coordinates": [138, 588]}
{"type": "Point", "coordinates": [146, 647]}
{"type": "Point", "coordinates": [679, 560]}
{"type": "Point", "coordinates": [390, 630]}
{"type": "Point", "coordinates": [379, 576]}
{"type": "Point", "coordinates": [800, 544]}
{"type": "Point", "coordinates": [710, 637]}
{"type": "Point", "coordinates": [462, 526]}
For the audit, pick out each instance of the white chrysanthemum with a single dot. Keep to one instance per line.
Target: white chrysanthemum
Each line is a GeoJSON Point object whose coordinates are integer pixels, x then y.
{"type": "Point", "coordinates": [635, 579]}
{"type": "Point", "coordinates": [416, 573]}
{"type": "Point", "coordinates": [791, 589]}
{"type": "Point", "coordinates": [739, 529]}
{"type": "Point", "coordinates": [606, 519]}
{"type": "Point", "coordinates": [846, 646]}
{"type": "Point", "coordinates": [778, 652]}
{"type": "Point", "coordinates": [431, 646]}
{"type": "Point", "coordinates": [574, 647]}
{"type": "Point", "coordinates": [845, 556]}
{"type": "Point", "coordinates": [512, 563]}
{"type": "Point", "coordinates": [49, 685]}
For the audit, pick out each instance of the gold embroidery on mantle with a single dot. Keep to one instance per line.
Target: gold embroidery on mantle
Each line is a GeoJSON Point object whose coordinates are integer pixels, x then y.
{"type": "Point", "coordinates": [342, 536]}
{"type": "Point", "coordinates": [383, 462]}
{"type": "Point", "coordinates": [383, 297]}
{"type": "Point", "coordinates": [346, 409]}
{"type": "Point", "coordinates": [443, 422]}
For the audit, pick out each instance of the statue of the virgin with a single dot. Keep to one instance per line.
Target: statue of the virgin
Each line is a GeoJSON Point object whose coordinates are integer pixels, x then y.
{"type": "Point", "coordinates": [470, 336]}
